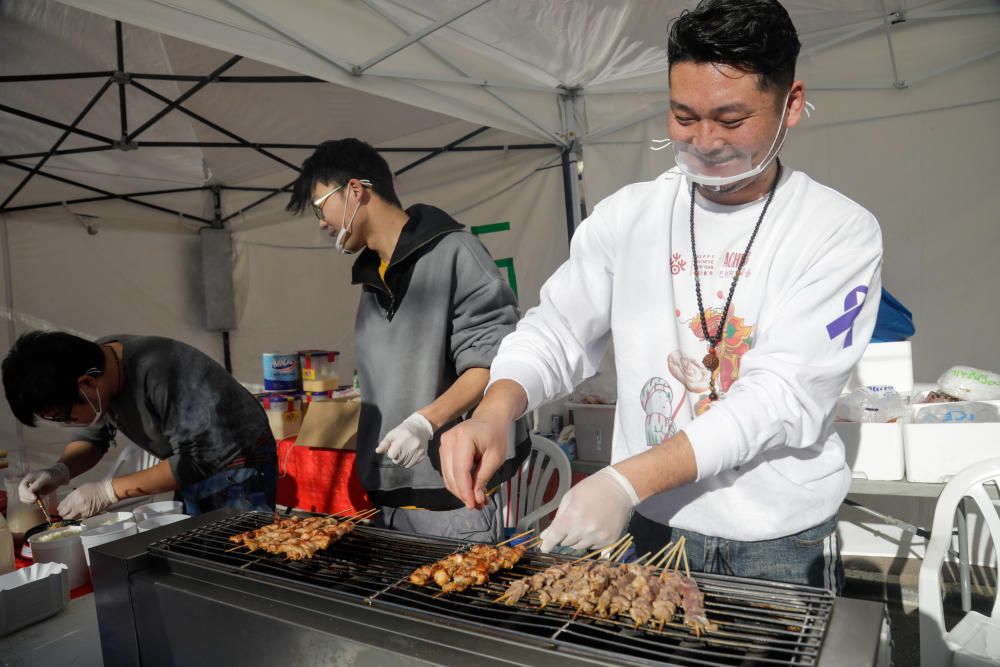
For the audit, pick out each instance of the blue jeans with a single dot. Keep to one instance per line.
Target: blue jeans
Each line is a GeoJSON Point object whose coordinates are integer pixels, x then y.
{"type": "Point", "coordinates": [810, 558]}
{"type": "Point", "coordinates": [213, 492]}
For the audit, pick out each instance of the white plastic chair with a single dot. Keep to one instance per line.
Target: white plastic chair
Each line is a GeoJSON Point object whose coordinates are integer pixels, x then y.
{"type": "Point", "coordinates": [975, 640]}
{"type": "Point", "coordinates": [522, 496]}
{"type": "Point", "coordinates": [132, 458]}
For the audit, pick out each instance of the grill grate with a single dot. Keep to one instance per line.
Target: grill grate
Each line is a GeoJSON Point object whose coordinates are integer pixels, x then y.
{"type": "Point", "coordinates": [760, 623]}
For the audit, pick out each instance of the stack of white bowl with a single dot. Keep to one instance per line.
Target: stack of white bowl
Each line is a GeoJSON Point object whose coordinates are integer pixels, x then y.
{"type": "Point", "coordinates": [105, 528]}
{"type": "Point", "coordinates": [154, 515]}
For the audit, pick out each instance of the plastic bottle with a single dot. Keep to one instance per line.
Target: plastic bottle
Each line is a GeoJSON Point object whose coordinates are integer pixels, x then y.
{"type": "Point", "coordinates": [357, 383]}
{"type": "Point", "coordinates": [236, 500]}
{"type": "Point", "coordinates": [6, 548]}
{"type": "Point", "coordinates": [258, 502]}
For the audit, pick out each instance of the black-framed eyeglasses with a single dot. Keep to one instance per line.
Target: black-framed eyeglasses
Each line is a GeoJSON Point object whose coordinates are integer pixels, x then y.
{"type": "Point", "coordinates": [61, 417]}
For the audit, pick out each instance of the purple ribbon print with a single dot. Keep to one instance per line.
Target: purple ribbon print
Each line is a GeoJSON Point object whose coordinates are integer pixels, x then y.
{"type": "Point", "coordinates": [852, 306]}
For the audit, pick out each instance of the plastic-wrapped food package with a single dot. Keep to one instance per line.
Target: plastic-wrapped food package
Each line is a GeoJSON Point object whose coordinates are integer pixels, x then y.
{"type": "Point", "coordinates": [871, 405]}
{"type": "Point", "coordinates": [958, 413]}
{"type": "Point", "coordinates": [970, 384]}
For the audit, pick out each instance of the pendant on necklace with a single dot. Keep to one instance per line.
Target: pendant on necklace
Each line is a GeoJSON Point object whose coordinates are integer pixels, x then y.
{"type": "Point", "coordinates": [711, 361]}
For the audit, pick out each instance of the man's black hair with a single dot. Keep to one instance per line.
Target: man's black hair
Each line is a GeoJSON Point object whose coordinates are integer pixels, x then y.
{"type": "Point", "coordinates": [338, 161]}
{"type": "Point", "coordinates": [41, 372]}
{"type": "Point", "coordinates": [754, 36]}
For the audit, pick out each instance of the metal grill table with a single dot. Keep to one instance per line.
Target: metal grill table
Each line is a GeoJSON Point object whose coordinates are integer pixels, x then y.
{"type": "Point", "coordinates": [358, 590]}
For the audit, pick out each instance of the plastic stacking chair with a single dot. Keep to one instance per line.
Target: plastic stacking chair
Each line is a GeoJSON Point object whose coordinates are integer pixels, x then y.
{"type": "Point", "coordinates": [523, 495]}
{"type": "Point", "coordinates": [975, 640]}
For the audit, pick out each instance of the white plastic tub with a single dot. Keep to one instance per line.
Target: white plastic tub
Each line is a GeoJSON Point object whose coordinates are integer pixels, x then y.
{"type": "Point", "coordinates": [874, 451]}
{"type": "Point", "coordinates": [108, 519]}
{"type": "Point", "coordinates": [104, 534]}
{"type": "Point", "coordinates": [158, 520]}
{"type": "Point", "coordinates": [32, 594]}
{"type": "Point", "coordinates": [62, 545]}
{"type": "Point", "coordinates": [143, 512]}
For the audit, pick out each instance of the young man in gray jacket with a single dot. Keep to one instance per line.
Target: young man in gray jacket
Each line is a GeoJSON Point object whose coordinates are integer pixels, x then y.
{"type": "Point", "coordinates": [433, 311]}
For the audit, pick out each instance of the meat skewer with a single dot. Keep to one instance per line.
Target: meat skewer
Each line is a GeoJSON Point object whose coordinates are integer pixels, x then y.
{"type": "Point", "coordinates": [471, 567]}
{"type": "Point", "coordinates": [299, 538]}
{"type": "Point", "coordinates": [605, 589]}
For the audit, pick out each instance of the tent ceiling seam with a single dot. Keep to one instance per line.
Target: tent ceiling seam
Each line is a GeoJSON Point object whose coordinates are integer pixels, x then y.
{"type": "Point", "coordinates": [305, 44]}
{"type": "Point", "coordinates": [412, 38]}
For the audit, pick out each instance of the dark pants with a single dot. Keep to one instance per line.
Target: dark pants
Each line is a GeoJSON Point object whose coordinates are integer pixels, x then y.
{"type": "Point", "coordinates": [811, 557]}
{"type": "Point", "coordinates": [212, 493]}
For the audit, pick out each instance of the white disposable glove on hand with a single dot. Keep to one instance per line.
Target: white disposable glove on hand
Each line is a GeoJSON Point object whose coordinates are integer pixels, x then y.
{"type": "Point", "coordinates": [594, 513]}
{"type": "Point", "coordinates": [41, 482]}
{"type": "Point", "coordinates": [406, 445]}
{"type": "Point", "coordinates": [90, 499]}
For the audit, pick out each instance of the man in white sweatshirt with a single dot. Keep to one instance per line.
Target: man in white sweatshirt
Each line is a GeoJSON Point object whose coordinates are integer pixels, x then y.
{"type": "Point", "coordinates": [740, 293]}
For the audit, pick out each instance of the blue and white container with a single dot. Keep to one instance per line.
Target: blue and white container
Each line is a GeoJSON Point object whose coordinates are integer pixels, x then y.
{"type": "Point", "coordinates": [281, 372]}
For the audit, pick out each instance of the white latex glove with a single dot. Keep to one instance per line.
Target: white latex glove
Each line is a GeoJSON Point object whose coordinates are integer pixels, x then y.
{"type": "Point", "coordinates": [406, 445]}
{"type": "Point", "coordinates": [42, 482]}
{"type": "Point", "coordinates": [90, 499]}
{"type": "Point", "coordinates": [594, 513]}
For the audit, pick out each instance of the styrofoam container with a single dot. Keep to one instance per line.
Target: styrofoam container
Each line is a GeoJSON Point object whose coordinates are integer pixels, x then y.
{"type": "Point", "coordinates": [143, 512]}
{"type": "Point", "coordinates": [594, 425]}
{"type": "Point", "coordinates": [884, 365]}
{"type": "Point", "coordinates": [937, 452]}
{"type": "Point", "coordinates": [103, 534]}
{"type": "Point", "coordinates": [107, 519]}
{"type": "Point", "coordinates": [158, 520]}
{"type": "Point", "coordinates": [62, 545]}
{"type": "Point", "coordinates": [874, 451]}
{"type": "Point", "coordinates": [32, 594]}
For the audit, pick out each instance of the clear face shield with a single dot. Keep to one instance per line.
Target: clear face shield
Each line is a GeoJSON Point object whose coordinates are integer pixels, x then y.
{"type": "Point", "coordinates": [727, 164]}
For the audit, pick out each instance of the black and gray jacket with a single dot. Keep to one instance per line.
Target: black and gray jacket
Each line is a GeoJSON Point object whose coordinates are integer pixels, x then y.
{"type": "Point", "coordinates": [442, 309]}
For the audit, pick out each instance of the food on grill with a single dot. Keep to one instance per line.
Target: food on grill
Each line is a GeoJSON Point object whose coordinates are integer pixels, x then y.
{"type": "Point", "coordinates": [296, 537]}
{"type": "Point", "coordinates": [608, 589]}
{"type": "Point", "coordinates": [472, 567]}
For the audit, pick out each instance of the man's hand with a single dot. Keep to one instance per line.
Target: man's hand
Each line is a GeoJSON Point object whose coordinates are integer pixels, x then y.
{"type": "Point", "coordinates": [90, 499]}
{"type": "Point", "coordinates": [406, 445]}
{"type": "Point", "coordinates": [42, 482]}
{"type": "Point", "coordinates": [594, 513]}
{"type": "Point", "coordinates": [470, 454]}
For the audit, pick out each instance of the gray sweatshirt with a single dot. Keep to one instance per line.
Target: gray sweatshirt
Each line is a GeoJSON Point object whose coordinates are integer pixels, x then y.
{"type": "Point", "coordinates": [442, 310]}
{"type": "Point", "coordinates": [181, 405]}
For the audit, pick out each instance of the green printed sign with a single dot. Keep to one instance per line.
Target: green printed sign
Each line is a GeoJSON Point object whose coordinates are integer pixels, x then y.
{"type": "Point", "coordinates": [505, 263]}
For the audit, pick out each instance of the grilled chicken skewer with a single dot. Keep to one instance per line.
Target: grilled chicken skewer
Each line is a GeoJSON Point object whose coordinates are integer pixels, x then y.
{"type": "Point", "coordinates": [472, 567]}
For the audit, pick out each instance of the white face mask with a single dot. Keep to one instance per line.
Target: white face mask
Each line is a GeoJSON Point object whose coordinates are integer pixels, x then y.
{"type": "Point", "coordinates": [734, 165]}
{"type": "Point", "coordinates": [345, 224]}
{"type": "Point", "coordinates": [98, 409]}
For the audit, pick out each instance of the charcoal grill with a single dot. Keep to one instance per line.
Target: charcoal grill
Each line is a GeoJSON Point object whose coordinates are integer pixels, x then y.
{"type": "Point", "coordinates": [180, 595]}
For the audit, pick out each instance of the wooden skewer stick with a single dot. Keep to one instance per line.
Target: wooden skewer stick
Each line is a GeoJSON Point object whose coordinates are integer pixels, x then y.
{"type": "Point", "coordinates": [681, 551]}
{"type": "Point", "coordinates": [238, 546]}
{"type": "Point", "coordinates": [668, 558]}
{"type": "Point", "coordinates": [620, 551]}
{"type": "Point", "coordinates": [516, 537]}
{"type": "Point", "coordinates": [656, 557]}
{"type": "Point", "coordinates": [687, 570]}
{"type": "Point", "coordinates": [597, 552]}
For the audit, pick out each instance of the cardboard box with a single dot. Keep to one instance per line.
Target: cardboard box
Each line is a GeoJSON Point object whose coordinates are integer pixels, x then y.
{"type": "Point", "coordinates": [595, 425]}
{"type": "Point", "coordinates": [331, 424]}
{"type": "Point", "coordinates": [874, 451]}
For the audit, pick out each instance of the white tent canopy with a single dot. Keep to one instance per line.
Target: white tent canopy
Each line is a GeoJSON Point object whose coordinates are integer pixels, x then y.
{"type": "Point", "coordinates": [907, 96]}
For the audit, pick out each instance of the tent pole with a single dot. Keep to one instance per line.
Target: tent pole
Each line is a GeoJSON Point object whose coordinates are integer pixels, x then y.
{"type": "Point", "coordinates": [217, 223]}
{"type": "Point", "coordinates": [22, 458]}
{"type": "Point", "coordinates": [571, 192]}
{"type": "Point", "coordinates": [214, 126]}
{"type": "Point", "coordinates": [176, 104]}
{"type": "Point", "coordinates": [38, 165]}
{"type": "Point", "coordinates": [121, 78]}
{"type": "Point", "coordinates": [53, 123]}
{"type": "Point", "coordinates": [437, 151]}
